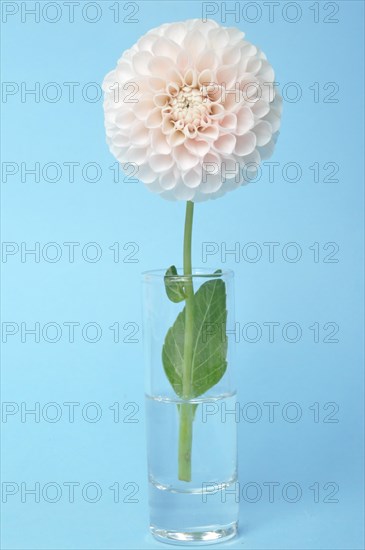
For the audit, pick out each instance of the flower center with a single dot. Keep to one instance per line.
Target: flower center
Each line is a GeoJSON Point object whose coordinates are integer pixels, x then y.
{"type": "Point", "coordinates": [189, 110]}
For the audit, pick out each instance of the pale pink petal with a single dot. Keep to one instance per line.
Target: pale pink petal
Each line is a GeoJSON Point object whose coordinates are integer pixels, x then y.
{"type": "Point", "coordinates": [146, 174]}
{"type": "Point", "coordinates": [143, 108]}
{"type": "Point", "coordinates": [183, 193]}
{"type": "Point", "coordinates": [161, 100]}
{"type": "Point", "coordinates": [210, 132]}
{"type": "Point", "coordinates": [230, 167]}
{"type": "Point", "coordinates": [274, 120]}
{"type": "Point", "coordinates": [168, 126]}
{"type": "Point", "coordinates": [141, 61]}
{"type": "Point", "coordinates": [211, 183]}
{"type": "Point", "coordinates": [124, 71]}
{"type": "Point", "coordinates": [245, 144]}
{"type": "Point", "coordinates": [156, 84]}
{"type": "Point", "coordinates": [161, 163]}
{"type": "Point", "coordinates": [266, 72]}
{"type": "Point", "coordinates": [253, 65]}
{"type": "Point", "coordinates": [183, 61]}
{"type": "Point", "coordinates": [159, 142]}
{"type": "Point", "coordinates": [228, 122]}
{"type": "Point", "coordinates": [219, 38]}
{"type": "Point", "coordinates": [252, 161]}
{"type": "Point", "coordinates": [191, 78]}
{"type": "Point", "coordinates": [260, 108]}
{"type": "Point", "coordinates": [167, 181]}
{"type": "Point", "coordinates": [263, 132]}
{"type": "Point", "coordinates": [139, 134]}
{"type": "Point", "coordinates": [121, 140]}
{"type": "Point", "coordinates": [176, 32]}
{"type": "Point", "coordinates": [192, 178]}
{"type": "Point", "coordinates": [185, 160]}
{"type": "Point", "coordinates": [227, 76]}
{"type": "Point", "coordinates": [205, 77]}
{"type": "Point", "coordinates": [232, 56]}
{"type": "Point", "coordinates": [159, 66]}
{"type": "Point", "coordinates": [166, 48]}
{"type": "Point", "coordinates": [207, 60]}
{"type": "Point", "coordinates": [245, 121]}
{"type": "Point", "coordinates": [197, 146]}
{"type": "Point", "coordinates": [217, 111]}
{"type": "Point", "coordinates": [137, 155]}
{"type": "Point", "coordinates": [235, 35]}
{"type": "Point", "coordinates": [194, 43]}
{"type": "Point", "coordinates": [124, 119]}
{"type": "Point", "coordinates": [146, 42]}
{"type": "Point", "coordinates": [232, 101]}
{"type": "Point", "coordinates": [154, 119]}
{"type": "Point", "coordinates": [225, 144]}
{"type": "Point", "coordinates": [176, 138]}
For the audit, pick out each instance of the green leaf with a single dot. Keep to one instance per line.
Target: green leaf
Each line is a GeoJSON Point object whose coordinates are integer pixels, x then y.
{"type": "Point", "coordinates": [209, 341]}
{"type": "Point", "coordinates": [174, 287]}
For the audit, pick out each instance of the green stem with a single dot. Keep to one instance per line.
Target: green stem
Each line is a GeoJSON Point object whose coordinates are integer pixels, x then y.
{"type": "Point", "coordinates": [187, 409]}
{"type": "Point", "coordinates": [189, 305]}
{"type": "Point", "coordinates": [185, 441]}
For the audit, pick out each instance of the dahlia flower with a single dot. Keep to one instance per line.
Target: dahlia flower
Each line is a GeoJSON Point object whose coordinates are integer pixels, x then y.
{"type": "Point", "coordinates": [194, 106]}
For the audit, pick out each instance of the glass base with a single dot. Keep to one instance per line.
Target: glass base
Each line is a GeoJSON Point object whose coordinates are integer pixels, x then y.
{"type": "Point", "coordinates": [211, 536]}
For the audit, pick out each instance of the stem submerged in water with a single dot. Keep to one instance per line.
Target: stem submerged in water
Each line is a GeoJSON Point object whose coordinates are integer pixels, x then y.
{"type": "Point", "coordinates": [187, 409]}
{"type": "Point", "coordinates": [185, 441]}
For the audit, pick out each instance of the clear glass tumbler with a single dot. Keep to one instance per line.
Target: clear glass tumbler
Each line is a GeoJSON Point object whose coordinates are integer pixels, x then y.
{"type": "Point", "coordinates": [190, 404]}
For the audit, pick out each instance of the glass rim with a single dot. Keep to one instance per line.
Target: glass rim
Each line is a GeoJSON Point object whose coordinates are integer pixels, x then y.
{"type": "Point", "coordinates": [197, 272]}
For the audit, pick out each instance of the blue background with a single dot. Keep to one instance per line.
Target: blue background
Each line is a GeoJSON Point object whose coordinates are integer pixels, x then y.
{"type": "Point", "coordinates": [106, 292]}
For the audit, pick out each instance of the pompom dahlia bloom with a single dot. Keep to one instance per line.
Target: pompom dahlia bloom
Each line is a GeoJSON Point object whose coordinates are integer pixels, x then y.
{"type": "Point", "coordinates": [194, 106]}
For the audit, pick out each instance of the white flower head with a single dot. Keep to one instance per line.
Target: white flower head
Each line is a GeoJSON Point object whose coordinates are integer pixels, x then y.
{"type": "Point", "coordinates": [194, 107]}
